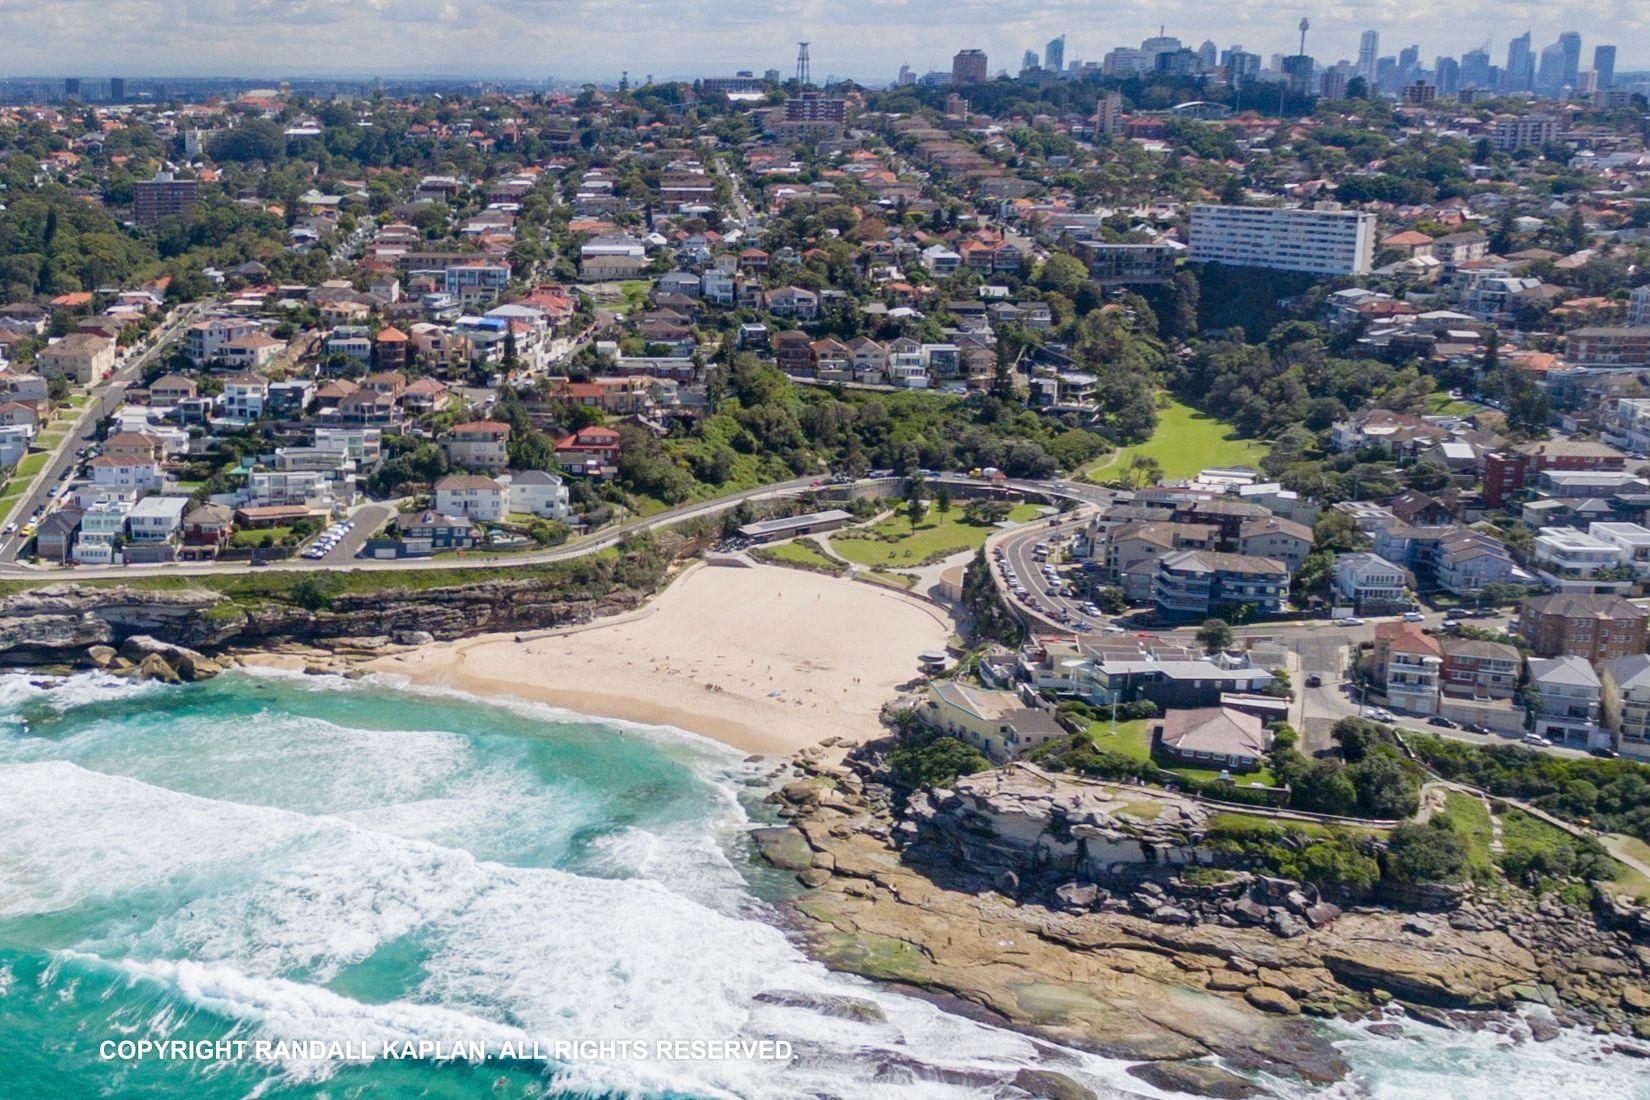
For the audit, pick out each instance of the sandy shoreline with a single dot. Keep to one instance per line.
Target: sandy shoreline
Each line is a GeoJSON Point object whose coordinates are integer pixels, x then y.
{"type": "Point", "coordinates": [765, 659]}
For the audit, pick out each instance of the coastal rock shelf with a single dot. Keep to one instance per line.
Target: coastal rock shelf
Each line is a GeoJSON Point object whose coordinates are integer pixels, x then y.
{"type": "Point", "coordinates": [64, 622]}
{"type": "Point", "coordinates": [1066, 914]}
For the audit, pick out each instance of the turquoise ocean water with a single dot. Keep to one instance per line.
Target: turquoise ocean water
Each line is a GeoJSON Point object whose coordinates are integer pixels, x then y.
{"type": "Point", "coordinates": [275, 859]}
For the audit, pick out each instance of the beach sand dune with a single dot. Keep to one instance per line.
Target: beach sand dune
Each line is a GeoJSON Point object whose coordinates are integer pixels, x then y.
{"type": "Point", "coordinates": [765, 659]}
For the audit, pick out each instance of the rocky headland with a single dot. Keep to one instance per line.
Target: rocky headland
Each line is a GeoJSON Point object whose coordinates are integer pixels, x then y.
{"type": "Point", "coordinates": [1094, 915]}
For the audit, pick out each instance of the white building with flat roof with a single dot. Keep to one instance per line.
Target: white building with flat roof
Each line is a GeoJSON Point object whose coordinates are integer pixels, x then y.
{"type": "Point", "coordinates": [1284, 238]}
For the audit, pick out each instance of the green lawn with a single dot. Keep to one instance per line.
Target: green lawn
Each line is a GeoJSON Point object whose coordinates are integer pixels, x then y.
{"type": "Point", "coordinates": [799, 554]}
{"type": "Point", "coordinates": [1185, 442]}
{"type": "Point", "coordinates": [1627, 880]}
{"type": "Point", "coordinates": [893, 543]}
{"type": "Point", "coordinates": [77, 400]}
{"type": "Point", "coordinates": [31, 465]}
{"type": "Point", "coordinates": [1131, 739]}
{"type": "Point", "coordinates": [902, 581]}
{"type": "Point", "coordinates": [250, 537]}
{"type": "Point", "coordinates": [1472, 820]}
{"type": "Point", "coordinates": [1445, 405]}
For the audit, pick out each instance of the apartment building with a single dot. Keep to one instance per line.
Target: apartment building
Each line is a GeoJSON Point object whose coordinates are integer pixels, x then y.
{"type": "Point", "coordinates": [162, 197]}
{"type": "Point", "coordinates": [1325, 241]}
{"type": "Point", "coordinates": [1194, 583]}
{"type": "Point", "coordinates": [1410, 663]}
{"type": "Point", "coordinates": [82, 356]}
{"type": "Point", "coordinates": [478, 445]}
{"type": "Point", "coordinates": [1638, 307]}
{"type": "Point", "coordinates": [1625, 703]}
{"type": "Point", "coordinates": [1128, 264]}
{"type": "Point", "coordinates": [1573, 561]}
{"type": "Point", "coordinates": [1609, 346]}
{"type": "Point", "coordinates": [1597, 627]}
{"type": "Point", "coordinates": [1475, 669]}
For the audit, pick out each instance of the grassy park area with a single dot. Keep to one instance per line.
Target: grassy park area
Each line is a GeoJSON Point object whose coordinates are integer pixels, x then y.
{"type": "Point", "coordinates": [799, 554]}
{"type": "Point", "coordinates": [894, 542]}
{"type": "Point", "coordinates": [1185, 442]}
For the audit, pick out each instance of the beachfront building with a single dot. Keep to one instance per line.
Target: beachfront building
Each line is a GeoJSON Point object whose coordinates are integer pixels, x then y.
{"type": "Point", "coordinates": [997, 723]}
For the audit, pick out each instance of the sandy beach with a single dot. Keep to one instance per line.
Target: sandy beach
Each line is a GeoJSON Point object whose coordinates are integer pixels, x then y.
{"type": "Point", "coordinates": [765, 659]}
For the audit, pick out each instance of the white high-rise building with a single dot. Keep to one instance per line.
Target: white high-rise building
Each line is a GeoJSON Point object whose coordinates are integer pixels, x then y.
{"type": "Point", "coordinates": [1325, 240]}
{"type": "Point", "coordinates": [1369, 52]}
{"type": "Point", "coordinates": [1638, 307]}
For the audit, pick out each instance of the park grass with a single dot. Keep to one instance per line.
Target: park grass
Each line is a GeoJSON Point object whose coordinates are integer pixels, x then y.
{"type": "Point", "coordinates": [1626, 880]}
{"type": "Point", "coordinates": [902, 581]}
{"type": "Point", "coordinates": [1472, 820]}
{"type": "Point", "coordinates": [799, 554]}
{"type": "Point", "coordinates": [32, 465]}
{"type": "Point", "coordinates": [1442, 404]}
{"type": "Point", "coordinates": [893, 542]}
{"type": "Point", "coordinates": [1184, 442]}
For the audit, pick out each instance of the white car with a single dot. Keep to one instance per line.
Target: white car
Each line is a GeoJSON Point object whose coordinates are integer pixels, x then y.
{"type": "Point", "coordinates": [1537, 740]}
{"type": "Point", "coordinates": [1414, 617]}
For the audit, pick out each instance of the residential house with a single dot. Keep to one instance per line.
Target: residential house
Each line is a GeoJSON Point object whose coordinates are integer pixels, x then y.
{"type": "Point", "coordinates": [244, 396]}
{"type": "Point", "coordinates": [1364, 579]}
{"type": "Point", "coordinates": [1575, 561]}
{"type": "Point", "coordinates": [125, 474]}
{"type": "Point", "coordinates": [1566, 705]}
{"type": "Point", "coordinates": [1479, 670]}
{"type": "Point", "coordinates": [1223, 738]}
{"type": "Point", "coordinates": [206, 532]}
{"type": "Point", "coordinates": [997, 723]}
{"type": "Point", "coordinates": [538, 493]}
{"type": "Point", "coordinates": [472, 496]}
{"type": "Point", "coordinates": [592, 451]}
{"type": "Point", "coordinates": [55, 537]}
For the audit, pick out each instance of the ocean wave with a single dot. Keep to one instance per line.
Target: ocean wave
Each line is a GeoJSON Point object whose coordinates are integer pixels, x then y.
{"type": "Point", "coordinates": [258, 908]}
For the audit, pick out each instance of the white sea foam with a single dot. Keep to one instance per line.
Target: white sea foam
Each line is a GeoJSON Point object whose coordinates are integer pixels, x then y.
{"type": "Point", "coordinates": [270, 902]}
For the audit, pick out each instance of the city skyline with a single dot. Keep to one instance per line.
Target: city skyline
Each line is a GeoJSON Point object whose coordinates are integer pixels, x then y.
{"type": "Point", "coordinates": [524, 39]}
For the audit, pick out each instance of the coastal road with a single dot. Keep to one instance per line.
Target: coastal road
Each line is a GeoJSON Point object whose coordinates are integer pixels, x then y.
{"type": "Point", "coordinates": [590, 544]}
{"type": "Point", "coordinates": [104, 400]}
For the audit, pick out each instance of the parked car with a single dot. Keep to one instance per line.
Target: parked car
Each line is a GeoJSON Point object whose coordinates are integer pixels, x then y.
{"type": "Point", "coordinates": [1314, 680]}
{"type": "Point", "coordinates": [1537, 740]}
{"type": "Point", "coordinates": [1442, 722]}
{"type": "Point", "coordinates": [1414, 617]}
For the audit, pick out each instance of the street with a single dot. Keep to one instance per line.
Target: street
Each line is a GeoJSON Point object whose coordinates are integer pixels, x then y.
{"type": "Point", "coordinates": [104, 399]}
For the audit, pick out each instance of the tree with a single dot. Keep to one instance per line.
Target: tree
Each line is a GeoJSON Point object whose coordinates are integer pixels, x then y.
{"type": "Point", "coordinates": [942, 498]}
{"type": "Point", "coordinates": [1433, 852]}
{"type": "Point", "coordinates": [1215, 635]}
{"type": "Point", "coordinates": [1385, 788]}
{"type": "Point", "coordinates": [913, 511]}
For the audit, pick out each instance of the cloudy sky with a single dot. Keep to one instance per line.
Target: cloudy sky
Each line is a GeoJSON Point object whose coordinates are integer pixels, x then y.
{"type": "Point", "coordinates": [865, 39]}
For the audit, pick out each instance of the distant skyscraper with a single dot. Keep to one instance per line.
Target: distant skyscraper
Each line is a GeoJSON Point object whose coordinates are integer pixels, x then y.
{"type": "Point", "coordinates": [1054, 55]}
{"type": "Point", "coordinates": [1028, 61]}
{"type": "Point", "coordinates": [906, 76]}
{"type": "Point", "coordinates": [71, 86]}
{"type": "Point", "coordinates": [968, 67]}
{"type": "Point", "coordinates": [1475, 69]}
{"type": "Point", "coordinates": [117, 89]}
{"type": "Point", "coordinates": [1206, 55]}
{"type": "Point", "coordinates": [1549, 72]}
{"type": "Point", "coordinates": [1520, 64]}
{"type": "Point", "coordinates": [1408, 58]}
{"type": "Point", "coordinates": [1369, 48]}
{"type": "Point", "coordinates": [1447, 75]}
{"type": "Point", "coordinates": [1570, 44]}
{"type": "Point", "coordinates": [1604, 67]}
